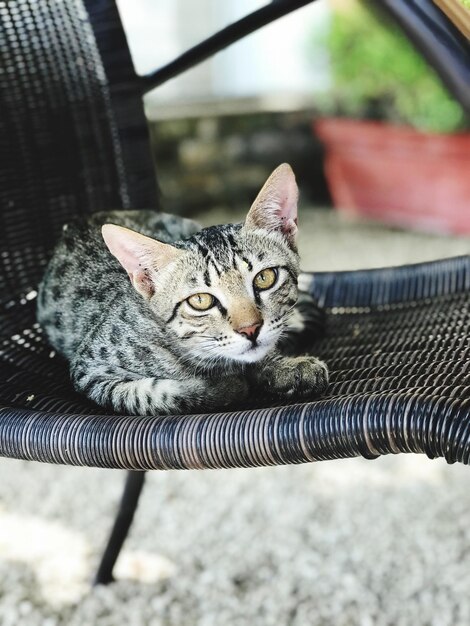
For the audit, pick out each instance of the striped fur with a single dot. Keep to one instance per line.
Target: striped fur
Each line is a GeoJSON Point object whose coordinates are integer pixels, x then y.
{"type": "Point", "coordinates": [145, 350]}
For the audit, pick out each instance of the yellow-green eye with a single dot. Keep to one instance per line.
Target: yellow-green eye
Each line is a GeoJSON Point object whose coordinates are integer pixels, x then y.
{"type": "Point", "coordinates": [201, 301]}
{"type": "Point", "coordinates": [265, 279]}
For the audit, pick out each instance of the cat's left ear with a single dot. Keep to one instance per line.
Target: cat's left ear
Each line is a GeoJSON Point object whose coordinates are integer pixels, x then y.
{"type": "Point", "coordinates": [275, 207]}
{"type": "Point", "coordinates": [139, 255]}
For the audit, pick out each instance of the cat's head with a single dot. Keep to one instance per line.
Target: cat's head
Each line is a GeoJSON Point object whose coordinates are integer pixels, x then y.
{"type": "Point", "coordinates": [226, 293]}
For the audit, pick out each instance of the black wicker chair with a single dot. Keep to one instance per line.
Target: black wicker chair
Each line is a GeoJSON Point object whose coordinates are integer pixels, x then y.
{"type": "Point", "coordinates": [73, 139]}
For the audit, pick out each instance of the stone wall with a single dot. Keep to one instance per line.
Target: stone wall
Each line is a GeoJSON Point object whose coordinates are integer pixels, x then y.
{"type": "Point", "coordinates": [223, 160]}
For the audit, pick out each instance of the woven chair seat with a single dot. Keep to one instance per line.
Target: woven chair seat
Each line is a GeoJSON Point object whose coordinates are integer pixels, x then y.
{"type": "Point", "coordinates": [74, 141]}
{"type": "Point", "coordinates": [397, 342]}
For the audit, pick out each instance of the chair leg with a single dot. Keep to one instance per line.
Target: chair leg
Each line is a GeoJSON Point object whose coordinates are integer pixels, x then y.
{"type": "Point", "coordinates": [122, 523]}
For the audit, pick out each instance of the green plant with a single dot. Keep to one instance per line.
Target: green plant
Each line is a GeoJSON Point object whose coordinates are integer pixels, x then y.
{"type": "Point", "coordinates": [378, 74]}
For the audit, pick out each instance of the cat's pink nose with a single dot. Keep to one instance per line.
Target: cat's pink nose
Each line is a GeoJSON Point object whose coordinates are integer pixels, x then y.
{"type": "Point", "coordinates": [251, 332]}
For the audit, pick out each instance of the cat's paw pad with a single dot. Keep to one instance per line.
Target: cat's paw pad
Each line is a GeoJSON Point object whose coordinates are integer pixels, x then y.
{"type": "Point", "coordinates": [300, 377]}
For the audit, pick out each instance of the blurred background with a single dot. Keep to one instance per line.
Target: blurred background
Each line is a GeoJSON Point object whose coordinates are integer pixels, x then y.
{"type": "Point", "coordinates": [220, 128]}
{"type": "Point", "coordinates": [382, 156]}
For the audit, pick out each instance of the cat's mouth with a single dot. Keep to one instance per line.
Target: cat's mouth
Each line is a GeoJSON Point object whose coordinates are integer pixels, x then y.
{"type": "Point", "coordinates": [254, 352]}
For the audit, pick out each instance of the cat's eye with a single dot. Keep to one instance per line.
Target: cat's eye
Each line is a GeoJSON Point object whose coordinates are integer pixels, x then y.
{"type": "Point", "coordinates": [265, 279]}
{"type": "Point", "coordinates": [201, 301]}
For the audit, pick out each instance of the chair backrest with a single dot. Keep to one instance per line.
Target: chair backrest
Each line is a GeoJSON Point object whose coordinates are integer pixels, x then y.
{"type": "Point", "coordinates": [73, 136]}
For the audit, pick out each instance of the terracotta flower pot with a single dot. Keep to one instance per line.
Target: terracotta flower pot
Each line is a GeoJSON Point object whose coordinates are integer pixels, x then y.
{"type": "Point", "coordinates": [398, 175]}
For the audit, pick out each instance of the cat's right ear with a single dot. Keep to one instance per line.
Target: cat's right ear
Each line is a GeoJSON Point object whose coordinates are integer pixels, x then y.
{"type": "Point", "coordinates": [275, 207]}
{"type": "Point", "coordinates": [139, 255]}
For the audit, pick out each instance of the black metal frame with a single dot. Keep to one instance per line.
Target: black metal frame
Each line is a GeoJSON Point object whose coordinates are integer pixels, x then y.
{"type": "Point", "coordinates": [433, 34]}
{"type": "Point", "coordinates": [441, 43]}
{"type": "Point", "coordinates": [125, 515]}
{"type": "Point", "coordinates": [221, 40]}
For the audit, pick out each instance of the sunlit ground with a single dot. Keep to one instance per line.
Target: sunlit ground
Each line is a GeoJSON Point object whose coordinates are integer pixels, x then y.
{"type": "Point", "coordinates": [341, 543]}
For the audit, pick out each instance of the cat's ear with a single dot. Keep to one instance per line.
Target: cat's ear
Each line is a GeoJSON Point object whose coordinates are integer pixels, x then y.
{"type": "Point", "coordinates": [139, 255]}
{"type": "Point", "coordinates": [275, 207]}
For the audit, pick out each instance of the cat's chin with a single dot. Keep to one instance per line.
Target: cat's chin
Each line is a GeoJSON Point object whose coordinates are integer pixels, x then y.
{"type": "Point", "coordinates": [252, 354]}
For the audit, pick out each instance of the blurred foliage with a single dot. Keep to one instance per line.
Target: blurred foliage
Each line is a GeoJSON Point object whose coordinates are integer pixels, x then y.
{"type": "Point", "coordinates": [378, 74]}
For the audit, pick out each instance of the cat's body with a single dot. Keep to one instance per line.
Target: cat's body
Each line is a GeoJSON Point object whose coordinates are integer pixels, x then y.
{"type": "Point", "coordinates": [194, 333]}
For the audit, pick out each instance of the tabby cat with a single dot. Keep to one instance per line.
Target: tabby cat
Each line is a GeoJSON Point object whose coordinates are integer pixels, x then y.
{"type": "Point", "coordinates": [198, 326]}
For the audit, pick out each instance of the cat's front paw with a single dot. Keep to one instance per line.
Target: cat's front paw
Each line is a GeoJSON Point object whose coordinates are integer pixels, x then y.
{"type": "Point", "coordinates": [297, 377]}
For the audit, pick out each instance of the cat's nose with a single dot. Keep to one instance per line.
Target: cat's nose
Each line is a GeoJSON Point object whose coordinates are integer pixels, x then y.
{"type": "Point", "coordinates": [251, 332]}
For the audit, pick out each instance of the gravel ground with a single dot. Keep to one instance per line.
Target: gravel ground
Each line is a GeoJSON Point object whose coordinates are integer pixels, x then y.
{"type": "Point", "coordinates": [339, 543]}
